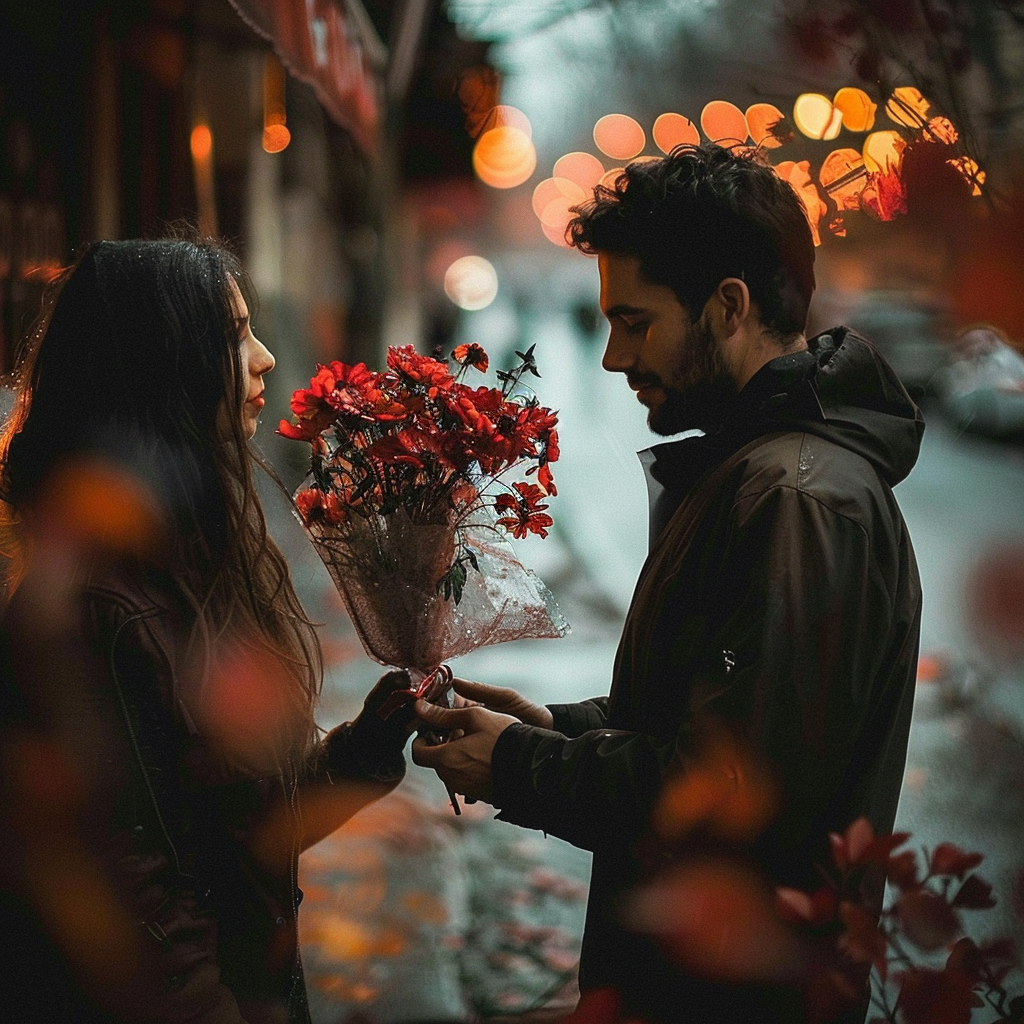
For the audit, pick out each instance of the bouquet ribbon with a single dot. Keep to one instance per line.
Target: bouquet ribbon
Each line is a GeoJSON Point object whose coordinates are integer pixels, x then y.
{"type": "Point", "coordinates": [432, 686]}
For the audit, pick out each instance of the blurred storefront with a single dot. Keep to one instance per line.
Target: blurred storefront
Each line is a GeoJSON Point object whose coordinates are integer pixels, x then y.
{"type": "Point", "coordinates": [291, 128]}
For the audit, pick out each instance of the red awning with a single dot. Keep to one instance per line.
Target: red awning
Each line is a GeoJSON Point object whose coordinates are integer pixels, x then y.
{"type": "Point", "coordinates": [320, 44]}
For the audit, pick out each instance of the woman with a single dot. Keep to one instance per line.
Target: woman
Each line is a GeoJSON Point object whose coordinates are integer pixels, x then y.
{"type": "Point", "coordinates": [162, 769]}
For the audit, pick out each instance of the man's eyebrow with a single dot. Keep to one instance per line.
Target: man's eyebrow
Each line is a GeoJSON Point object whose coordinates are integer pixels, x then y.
{"type": "Point", "coordinates": [622, 309]}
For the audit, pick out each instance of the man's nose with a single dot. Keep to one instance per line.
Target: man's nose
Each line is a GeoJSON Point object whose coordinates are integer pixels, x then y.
{"type": "Point", "coordinates": [619, 355]}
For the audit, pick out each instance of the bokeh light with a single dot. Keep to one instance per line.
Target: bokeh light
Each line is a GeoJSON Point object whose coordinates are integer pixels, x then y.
{"type": "Point", "coordinates": [816, 117]}
{"type": "Point", "coordinates": [722, 121]}
{"type": "Point", "coordinates": [612, 176]}
{"type": "Point", "coordinates": [505, 116]}
{"type": "Point", "coordinates": [671, 130]}
{"type": "Point", "coordinates": [908, 107]}
{"type": "Point", "coordinates": [504, 157]}
{"type": "Point", "coordinates": [969, 168]}
{"type": "Point", "coordinates": [761, 118]}
{"type": "Point", "coordinates": [883, 150]}
{"type": "Point", "coordinates": [201, 142]}
{"type": "Point", "coordinates": [471, 283]}
{"type": "Point", "coordinates": [857, 109]}
{"type": "Point", "coordinates": [842, 176]}
{"type": "Point", "coordinates": [943, 130]}
{"type": "Point", "coordinates": [556, 189]}
{"type": "Point", "coordinates": [619, 136]}
{"type": "Point", "coordinates": [798, 174]}
{"type": "Point", "coordinates": [555, 235]}
{"type": "Point", "coordinates": [584, 169]}
{"type": "Point", "coordinates": [276, 138]}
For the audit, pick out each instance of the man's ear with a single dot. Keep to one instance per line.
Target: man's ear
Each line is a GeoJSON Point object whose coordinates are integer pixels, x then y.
{"type": "Point", "coordinates": [732, 297]}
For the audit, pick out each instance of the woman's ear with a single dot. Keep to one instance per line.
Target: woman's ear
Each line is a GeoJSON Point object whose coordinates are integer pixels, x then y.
{"type": "Point", "coordinates": [733, 300]}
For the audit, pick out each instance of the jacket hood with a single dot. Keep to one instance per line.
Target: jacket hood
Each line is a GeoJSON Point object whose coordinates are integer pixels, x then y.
{"type": "Point", "coordinates": [841, 388]}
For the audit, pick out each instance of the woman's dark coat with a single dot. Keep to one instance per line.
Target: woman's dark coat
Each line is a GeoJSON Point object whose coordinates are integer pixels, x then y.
{"type": "Point", "coordinates": [144, 878]}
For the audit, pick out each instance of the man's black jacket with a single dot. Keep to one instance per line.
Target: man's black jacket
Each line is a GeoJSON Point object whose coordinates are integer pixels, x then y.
{"type": "Point", "coordinates": [781, 599]}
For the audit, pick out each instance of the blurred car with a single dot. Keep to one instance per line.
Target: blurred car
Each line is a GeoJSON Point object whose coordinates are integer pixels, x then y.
{"type": "Point", "coordinates": [981, 387]}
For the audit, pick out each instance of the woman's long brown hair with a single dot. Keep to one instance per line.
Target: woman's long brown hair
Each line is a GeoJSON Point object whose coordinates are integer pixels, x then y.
{"type": "Point", "coordinates": [137, 360]}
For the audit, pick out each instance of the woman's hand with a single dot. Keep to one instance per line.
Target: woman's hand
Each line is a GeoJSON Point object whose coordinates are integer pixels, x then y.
{"type": "Point", "coordinates": [503, 700]}
{"type": "Point", "coordinates": [393, 731]}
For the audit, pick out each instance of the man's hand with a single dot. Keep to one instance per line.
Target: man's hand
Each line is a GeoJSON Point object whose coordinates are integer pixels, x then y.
{"type": "Point", "coordinates": [505, 701]}
{"type": "Point", "coordinates": [463, 762]}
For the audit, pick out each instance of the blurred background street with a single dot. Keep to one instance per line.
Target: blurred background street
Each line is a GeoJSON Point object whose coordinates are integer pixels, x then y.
{"type": "Point", "coordinates": [400, 172]}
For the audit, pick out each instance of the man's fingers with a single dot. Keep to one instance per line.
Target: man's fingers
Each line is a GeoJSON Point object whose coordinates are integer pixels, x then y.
{"type": "Point", "coordinates": [482, 693]}
{"type": "Point", "coordinates": [444, 718]}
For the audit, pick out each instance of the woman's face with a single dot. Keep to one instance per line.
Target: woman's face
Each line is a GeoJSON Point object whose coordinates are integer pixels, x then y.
{"type": "Point", "coordinates": [256, 360]}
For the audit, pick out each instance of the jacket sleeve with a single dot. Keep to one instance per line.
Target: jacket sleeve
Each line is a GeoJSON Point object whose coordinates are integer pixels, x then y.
{"type": "Point", "coordinates": [576, 719]}
{"type": "Point", "coordinates": [106, 881]}
{"type": "Point", "coordinates": [798, 603]}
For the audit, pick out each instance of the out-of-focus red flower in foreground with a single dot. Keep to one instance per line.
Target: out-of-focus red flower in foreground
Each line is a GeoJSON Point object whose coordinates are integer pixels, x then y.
{"type": "Point", "coordinates": [717, 918]}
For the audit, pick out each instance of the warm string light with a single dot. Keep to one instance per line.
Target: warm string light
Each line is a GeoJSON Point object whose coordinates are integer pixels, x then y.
{"type": "Point", "coordinates": [201, 145]}
{"type": "Point", "coordinates": [276, 135]}
{"type": "Point", "coordinates": [848, 175]}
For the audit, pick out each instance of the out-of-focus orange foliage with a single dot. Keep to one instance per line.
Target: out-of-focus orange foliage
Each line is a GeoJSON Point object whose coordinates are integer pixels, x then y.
{"type": "Point", "coordinates": [718, 918]}
{"type": "Point", "coordinates": [798, 174]}
{"type": "Point", "coordinates": [724, 791]}
{"type": "Point", "coordinates": [987, 282]}
{"type": "Point", "coordinates": [97, 504]}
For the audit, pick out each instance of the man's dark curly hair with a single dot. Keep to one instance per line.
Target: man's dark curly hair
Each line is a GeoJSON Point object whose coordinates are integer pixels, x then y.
{"type": "Point", "coordinates": [701, 214]}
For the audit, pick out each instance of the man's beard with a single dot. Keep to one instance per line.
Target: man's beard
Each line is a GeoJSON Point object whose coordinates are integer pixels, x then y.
{"type": "Point", "coordinates": [701, 391]}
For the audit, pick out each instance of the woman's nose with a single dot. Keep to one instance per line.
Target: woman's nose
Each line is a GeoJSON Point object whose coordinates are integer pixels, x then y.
{"type": "Point", "coordinates": [261, 360]}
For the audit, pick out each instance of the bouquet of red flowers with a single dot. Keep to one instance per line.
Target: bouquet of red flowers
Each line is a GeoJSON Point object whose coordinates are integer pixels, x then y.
{"type": "Point", "coordinates": [407, 503]}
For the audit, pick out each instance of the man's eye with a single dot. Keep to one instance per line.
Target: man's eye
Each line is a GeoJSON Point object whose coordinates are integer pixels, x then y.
{"type": "Point", "coordinates": [635, 328]}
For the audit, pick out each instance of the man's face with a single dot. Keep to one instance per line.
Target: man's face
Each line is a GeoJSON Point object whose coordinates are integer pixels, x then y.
{"type": "Point", "coordinates": [675, 366]}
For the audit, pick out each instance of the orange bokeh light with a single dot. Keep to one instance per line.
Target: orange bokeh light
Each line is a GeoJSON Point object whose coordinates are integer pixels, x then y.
{"type": "Point", "coordinates": [610, 177]}
{"type": "Point", "coordinates": [971, 171]}
{"type": "Point", "coordinates": [943, 130]}
{"type": "Point", "coordinates": [201, 142]}
{"type": "Point", "coordinates": [619, 136]}
{"type": "Point", "coordinates": [671, 130]}
{"type": "Point", "coordinates": [723, 122]}
{"type": "Point", "coordinates": [505, 116]}
{"type": "Point", "coordinates": [857, 109]}
{"type": "Point", "coordinates": [883, 150]}
{"type": "Point", "coordinates": [504, 157]}
{"type": "Point", "coordinates": [276, 138]}
{"type": "Point", "coordinates": [582, 168]}
{"type": "Point", "coordinates": [761, 117]}
{"type": "Point", "coordinates": [798, 174]}
{"type": "Point", "coordinates": [908, 107]}
{"type": "Point", "coordinates": [553, 189]}
{"type": "Point", "coordinates": [842, 176]}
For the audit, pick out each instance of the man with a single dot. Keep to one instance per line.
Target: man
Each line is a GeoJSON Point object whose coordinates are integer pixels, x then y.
{"type": "Point", "coordinates": [780, 598]}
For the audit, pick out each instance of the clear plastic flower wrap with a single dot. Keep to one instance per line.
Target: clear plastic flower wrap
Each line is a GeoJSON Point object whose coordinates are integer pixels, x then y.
{"type": "Point", "coordinates": [408, 506]}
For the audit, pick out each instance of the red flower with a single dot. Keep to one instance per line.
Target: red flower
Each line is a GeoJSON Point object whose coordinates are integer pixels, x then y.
{"type": "Point", "coordinates": [316, 506]}
{"type": "Point", "coordinates": [471, 355]}
{"type": "Point", "coordinates": [948, 859]}
{"type": "Point", "coordinates": [528, 514]}
{"type": "Point", "coordinates": [884, 196]}
{"type": "Point", "coordinates": [419, 369]}
{"type": "Point", "coordinates": [927, 919]}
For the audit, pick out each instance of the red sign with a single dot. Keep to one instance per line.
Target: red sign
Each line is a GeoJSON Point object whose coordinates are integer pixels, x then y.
{"type": "Point", "coordinates": [319, 44]}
